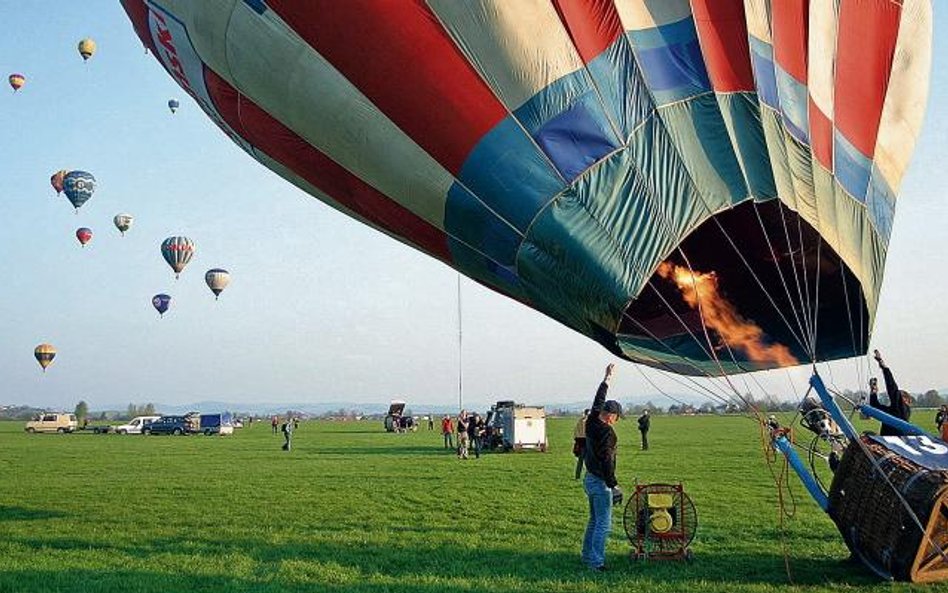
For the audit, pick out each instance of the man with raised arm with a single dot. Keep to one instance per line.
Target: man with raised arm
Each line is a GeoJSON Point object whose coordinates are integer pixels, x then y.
{"type": "Point", "coordinates": [600, 483]}
{"type": "Point", "coordinates": [899, 400]}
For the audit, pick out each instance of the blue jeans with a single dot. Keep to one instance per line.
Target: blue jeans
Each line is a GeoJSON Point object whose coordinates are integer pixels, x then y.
{"type": "Point", "coordinates": [600, 521]}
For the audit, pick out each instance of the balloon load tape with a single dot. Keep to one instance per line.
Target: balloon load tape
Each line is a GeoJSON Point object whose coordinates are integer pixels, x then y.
{"type": "Point", "coordinates": [872, 516]}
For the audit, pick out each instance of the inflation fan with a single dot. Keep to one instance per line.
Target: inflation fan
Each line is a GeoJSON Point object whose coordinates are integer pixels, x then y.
{"type": "Point", "coordinates": [660, 521]}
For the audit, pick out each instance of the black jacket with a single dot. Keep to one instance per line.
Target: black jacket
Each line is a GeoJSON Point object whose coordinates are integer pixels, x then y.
{"type": "Point", "coordinates": [896, 406]}
{"type": "Point", "coordinates": [645, 422]}
{"type": "Point", "coordinates": [600, 454]}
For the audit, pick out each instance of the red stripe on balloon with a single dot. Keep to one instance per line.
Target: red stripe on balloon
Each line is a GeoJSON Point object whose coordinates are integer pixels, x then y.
{"type": "Point", "coordinates": [722, 30]}
{"type": "Point", "coordinates": [790, 20]}
{"type": "Point", "coordinates": [398, 55]}
{"type": "Point", "coordinates": [137, 12]}
{"type": "Point", "coordinates": [868, 31]}
{"type": "Point", "coordinates": [821, 136]}
{"type": "Point", "coordinates": [261, 130]}
{"type": "Point", "coordinates": [592, 24]}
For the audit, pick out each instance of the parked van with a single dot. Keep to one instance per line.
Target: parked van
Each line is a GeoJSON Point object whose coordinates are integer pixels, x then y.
{"type": "Point", "coordinates": [52, 423]}
{"type": "Point", "coordinates": [136, 424]}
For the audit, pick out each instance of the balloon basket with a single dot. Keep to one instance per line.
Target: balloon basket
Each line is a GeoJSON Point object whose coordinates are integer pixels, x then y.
{"type": "Point", "coordinates": [872, 516]}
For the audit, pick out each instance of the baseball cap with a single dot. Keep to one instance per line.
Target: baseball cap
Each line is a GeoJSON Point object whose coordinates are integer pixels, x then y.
{"type": "Point", "coordinates": [612, 407]}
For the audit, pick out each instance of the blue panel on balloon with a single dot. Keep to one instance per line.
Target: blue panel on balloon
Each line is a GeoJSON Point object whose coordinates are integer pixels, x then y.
{"type": "Point", "coordinates": [574, 141]}
{"type": "Point", "coordinates": [794, 105]}
{"type": "Point", "coordinates": [509, 174]}
{"type": "Point", "coordinates": [851, 168]}
{"type": "Point", "coordinates": [471, 222]}
{"type": "Point", "coordinates": [671, 60]}
{"type": "Point", "coordinates": [762, 59]}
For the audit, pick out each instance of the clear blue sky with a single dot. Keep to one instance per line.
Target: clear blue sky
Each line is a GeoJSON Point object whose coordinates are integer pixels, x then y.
{"type": "Point", "coordinates": [320, 307]}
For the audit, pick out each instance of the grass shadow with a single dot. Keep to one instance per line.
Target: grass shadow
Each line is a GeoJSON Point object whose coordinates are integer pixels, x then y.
{"type": "Point", "coordinates": [411, 567]}
{"type": "Point", "coordinates": [12, 513]}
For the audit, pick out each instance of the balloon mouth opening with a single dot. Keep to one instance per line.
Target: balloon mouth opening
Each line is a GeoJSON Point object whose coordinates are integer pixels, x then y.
{"type": "Point", "coordinates": [755, 288]}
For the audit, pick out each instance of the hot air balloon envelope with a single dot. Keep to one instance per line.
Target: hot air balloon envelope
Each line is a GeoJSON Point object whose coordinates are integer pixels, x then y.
{"type": "Point", "coordinates": [217, 280]}
{"type": "Point", "coordinates": [78, 187]}
{"type": "Point", "coordinates": [173, 105]}
{"type": "Point", "coordinates": [16, 81]}
{"type": "Point", "coordinates": [56, 180]}
{"type": "Point", "coordinates": [123, 222]}
{"type": "Point", "coordinates": [749, 146]}
{"type": "Point", "coordinates": [86, 48]}
{"type": "Point", "coordinates": [44, 354]}
{"type": "Point", "coordinates": [84, 235]}
{"type": "Point", "coordinates": [177, 251]}
{"type": "Point", "coordinates": [161, 302]}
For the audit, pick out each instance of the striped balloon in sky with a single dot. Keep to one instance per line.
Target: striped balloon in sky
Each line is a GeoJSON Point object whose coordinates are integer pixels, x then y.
{"type": "Point", "coordinates": [559, 151]}
{"type": "Point", "coordinates": [217, 280]}
{"type": "Point", "coordinates": [44, 355]}
{"type": "Point", "coordinates": [177, 251]}
{"type": "Point", "coordinates": [78, 187]}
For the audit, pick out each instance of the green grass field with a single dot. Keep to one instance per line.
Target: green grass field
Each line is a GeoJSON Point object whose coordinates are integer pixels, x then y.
{"type": "Point", "coordinates": [352, 508]}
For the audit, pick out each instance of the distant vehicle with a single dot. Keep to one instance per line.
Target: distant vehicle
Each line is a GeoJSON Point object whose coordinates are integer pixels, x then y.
{"type": "Point", "coordinates": [60, 423]}
{"type": "Point", "coordinates": [176, 425]}
{"type": "Point", "coordinates": [136, 424]}
{"type": "Point", "coordinates": [216, 424]}
{"type": "Point", "coordinates": [393, 417]}
{"type": "Point", "coordinates": [515, 427]}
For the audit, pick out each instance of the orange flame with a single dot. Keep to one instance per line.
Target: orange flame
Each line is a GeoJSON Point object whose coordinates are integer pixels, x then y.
{"type": "Point", "coordinates": [721, 316]}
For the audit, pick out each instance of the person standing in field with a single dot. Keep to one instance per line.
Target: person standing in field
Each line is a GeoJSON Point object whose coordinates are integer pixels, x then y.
{"type": "Point", "coordinates": [430, 421]}
{"type": "Point", "coordinates": [899, 400]}
{"type": "Point", "coordinates": [274, 423]}
{"type": "Point", "coordinates": [475, 429]}
{"type": "Point", "coordinates": [645, 423]}
{"type": "Point", "coordinates": [463, 422]}
{"type": "Point", "coordinates": [288, 434]}
{"type": "Point", "coordinates": [600, 483]}
{"type": "Point", "coordinates": [579, 442]}
{"type": "Point", "coordinates": [447, 431]}
{"type": "Point", "coordinates": [941, 421]}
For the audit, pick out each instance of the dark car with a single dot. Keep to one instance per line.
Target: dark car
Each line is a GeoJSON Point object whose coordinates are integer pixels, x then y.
{"type": "Point", "coordinates": [176, 425]}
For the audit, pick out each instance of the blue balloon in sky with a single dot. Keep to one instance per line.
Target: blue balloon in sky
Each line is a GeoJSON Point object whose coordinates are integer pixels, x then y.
{"type": "Point", "coordinates": [78, 187]}
{"type": "Point", "coordinates": [161, 302]}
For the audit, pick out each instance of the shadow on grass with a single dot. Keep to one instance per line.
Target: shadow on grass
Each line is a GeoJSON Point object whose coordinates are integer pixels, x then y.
{"type": "Point", "coordinates": [395, 449]}
{"type": "Point", "coordinates": [329, 565]}
{"type": "Point", "coordinates": [8, 513]}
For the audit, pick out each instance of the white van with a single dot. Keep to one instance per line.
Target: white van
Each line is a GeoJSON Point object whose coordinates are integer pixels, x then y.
{"type": "Point", "coordinates": [136, 424]}
{"type": "Point", "coordinates": [52, 423]}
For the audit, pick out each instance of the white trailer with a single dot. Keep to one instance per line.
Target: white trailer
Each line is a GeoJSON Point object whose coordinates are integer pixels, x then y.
{"type": "Point", "coordinates": [521, 427]}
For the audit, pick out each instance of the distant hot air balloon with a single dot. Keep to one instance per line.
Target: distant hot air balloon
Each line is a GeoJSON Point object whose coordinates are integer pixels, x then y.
{"type": "Point", "coordinates": [84, 235]}
{"type": "Point", "coordinates": [161, 302]}
{"type": "Point", "coordinates": [78, 186]}
{"type": "Point", "coordinates": [44, 354]}
{"type": "Point", "coordinates": [86, 48]}
{"type": "Point", "coordinates": [177, 251]}
{"type": "Point", "coordinates": [173, 105]}
{"type": "Point", "coordinates": [217, 280]}
{"type": "Point", "coordinates": [56, 180]}
{"type": "Point", "coordinates": [123, 222]}
{"type": "Point", "coordinates": [16, 81]}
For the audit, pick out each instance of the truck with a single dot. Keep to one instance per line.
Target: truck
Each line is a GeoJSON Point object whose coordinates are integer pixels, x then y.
{"type": "Point", "coordinates": [393, 418]}
{"type": "Point", "coordinates": [216, 424]}
{"type": "Point", "coordinates": [516, 427]}
{"type": "Point", "coordinates": [52, 422]}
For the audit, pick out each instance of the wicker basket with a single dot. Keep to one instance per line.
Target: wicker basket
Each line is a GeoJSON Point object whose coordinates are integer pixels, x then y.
{"type": "Point", "coordinates": [874, 522]}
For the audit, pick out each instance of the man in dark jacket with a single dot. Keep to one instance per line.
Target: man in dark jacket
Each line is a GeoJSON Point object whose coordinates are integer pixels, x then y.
{"type": "Point", "coordinates": [645, 422]}
{"type": "Point", "coordinates": [899, 400]}
{"type": "Point", "coordinates": [600, 482]}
